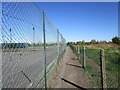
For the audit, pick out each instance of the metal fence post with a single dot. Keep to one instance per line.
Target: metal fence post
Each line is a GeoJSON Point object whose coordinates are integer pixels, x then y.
{"type": "Point", "coordinates": [44, 37]}
{"type": "Point", "coordinates": [10, 38]}
{"type": "Point", "coordinates": [84, 58]}
{"type": "Point", "coordinates": [1, 46]}
{"type": "Point", "coordinates": [58, 42]}
{"type": "Point", "coordinates": [102, 69]}
{"type": "Point", "coordinates": [33, 38]}
{"type": "Point", "coordinates": [10, 35]}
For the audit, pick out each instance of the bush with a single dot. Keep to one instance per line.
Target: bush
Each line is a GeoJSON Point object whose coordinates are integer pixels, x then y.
{"type": "Point", "coordinates": [116, 40]}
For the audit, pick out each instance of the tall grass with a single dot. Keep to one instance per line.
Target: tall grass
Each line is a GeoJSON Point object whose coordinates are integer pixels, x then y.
{"type": "Point", "coordinates": [112, 64]}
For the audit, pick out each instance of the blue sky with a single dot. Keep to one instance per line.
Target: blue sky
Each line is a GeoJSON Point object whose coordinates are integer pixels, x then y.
{"type": "Point", "coordinates": [83, 20]}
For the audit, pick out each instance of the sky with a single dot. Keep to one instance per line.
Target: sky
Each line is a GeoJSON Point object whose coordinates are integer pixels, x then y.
{"type": "Point", "coordinates": [83, 20]}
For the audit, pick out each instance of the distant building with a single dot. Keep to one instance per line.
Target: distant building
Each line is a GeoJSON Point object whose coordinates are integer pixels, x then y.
{"type": "Point", "coordinates": [14, 45]}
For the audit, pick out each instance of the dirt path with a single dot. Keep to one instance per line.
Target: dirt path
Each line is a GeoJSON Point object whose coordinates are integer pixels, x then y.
{"type": "Point", "coordinates": [70, 74]}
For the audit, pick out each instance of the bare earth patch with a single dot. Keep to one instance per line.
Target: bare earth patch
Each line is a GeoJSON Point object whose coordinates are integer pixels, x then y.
{"type": "Point", "coordinates": [70, 73]}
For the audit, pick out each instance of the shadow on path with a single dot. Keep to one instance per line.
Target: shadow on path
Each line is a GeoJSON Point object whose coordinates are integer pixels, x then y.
{"type": "Point", "coordinates": [73, 84]}
{"type": "Point", "coordinates": [74, 65]}
{"type": "Point", "coordinates": [74, 58]}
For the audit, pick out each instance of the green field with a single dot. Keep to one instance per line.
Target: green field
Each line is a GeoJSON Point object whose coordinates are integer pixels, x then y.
{"type": "Point", "coordinates": [112, 59]}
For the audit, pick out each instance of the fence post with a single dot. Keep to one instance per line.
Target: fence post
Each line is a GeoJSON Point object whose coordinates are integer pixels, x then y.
{"type": "Point", "coordinates": [58, 41]}
{"type": "Point", "coordinates": [10, 35]}
{"type": "Point", "coordinates": [75, 51]}
{"type": "Point", "coordinates": [58, 47]}
{"type": "Point", "coordinates": [78, 52]}
{"type": "Point", "coordinates": [84, 58]}
{"type": "Point", "coordinates": [34, 39]}
{"type": "Point", "coordinates": [10, 38]}
{"type": "Point", "coordinates": [102, 69]}
{"type": "Point", "coordinates": [1, 46]}
{"type": "Point", "coordinates": [44, 37]}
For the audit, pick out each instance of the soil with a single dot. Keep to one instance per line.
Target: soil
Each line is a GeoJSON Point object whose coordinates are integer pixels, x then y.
{"type": "Point", "coordinates": [70, 73]}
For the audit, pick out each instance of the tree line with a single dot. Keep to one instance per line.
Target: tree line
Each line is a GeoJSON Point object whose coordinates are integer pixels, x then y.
{"type": "Point", "coordinates": [115, 40]}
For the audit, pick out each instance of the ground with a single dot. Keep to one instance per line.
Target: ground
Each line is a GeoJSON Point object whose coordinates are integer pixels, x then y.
{"type": "Point", "coordinates": [70, 73]}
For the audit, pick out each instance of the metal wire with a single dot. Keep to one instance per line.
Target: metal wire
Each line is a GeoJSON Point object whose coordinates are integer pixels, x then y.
{"type": "Point", "coordinates": [22, 44]}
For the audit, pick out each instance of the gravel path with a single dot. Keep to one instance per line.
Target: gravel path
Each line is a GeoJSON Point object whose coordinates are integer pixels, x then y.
{"type": "Point", "coordinates": [70, 74]}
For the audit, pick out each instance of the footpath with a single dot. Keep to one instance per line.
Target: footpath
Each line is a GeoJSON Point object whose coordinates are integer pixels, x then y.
{"type": "Point", "coordinates": [70, 73]}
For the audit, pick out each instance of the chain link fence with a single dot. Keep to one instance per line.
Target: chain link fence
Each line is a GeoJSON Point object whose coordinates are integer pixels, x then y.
{"type": "Point", "coordinates": [30, 46]}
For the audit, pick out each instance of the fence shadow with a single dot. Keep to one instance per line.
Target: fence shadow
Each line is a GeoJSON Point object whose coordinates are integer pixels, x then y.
{"type": "Point", "coordinates": [74, 65]}
{"type": "Point", "coordinates": [77, 86]}
{"type": "Point", "coordinates": [74, 58]}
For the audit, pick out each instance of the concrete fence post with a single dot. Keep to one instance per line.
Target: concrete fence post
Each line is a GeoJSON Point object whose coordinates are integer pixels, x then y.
{"type": "Point", "coordinates": [102, 69]}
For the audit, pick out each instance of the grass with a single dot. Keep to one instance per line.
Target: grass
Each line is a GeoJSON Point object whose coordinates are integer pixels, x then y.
{"type": "Point", "coordinates": [94, 54]}
{"type": "Point", "coordinates": [112, 64]}
{"type": "Point", "coordinates": [112, 67]}
{"type": "Point", "coordinates": [94, 75]}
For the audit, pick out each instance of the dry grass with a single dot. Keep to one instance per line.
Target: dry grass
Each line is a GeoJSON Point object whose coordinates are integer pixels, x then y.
{"type": "Point", "coordinates": [104, 46]}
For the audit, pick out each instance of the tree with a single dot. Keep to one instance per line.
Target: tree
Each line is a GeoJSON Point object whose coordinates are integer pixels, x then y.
{"type": "Point", "coordinates": [83, 42]}
{"type": "Point", "coordinates": [116, 40]}
{"type": "Point", "coordinates": [93, 41]}
{"type": "Point", "coordinates": [71, 43]}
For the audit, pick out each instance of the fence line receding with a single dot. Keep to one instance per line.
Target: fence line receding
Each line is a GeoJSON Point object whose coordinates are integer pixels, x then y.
{"type": "Point", "coordinates": [23, 46]}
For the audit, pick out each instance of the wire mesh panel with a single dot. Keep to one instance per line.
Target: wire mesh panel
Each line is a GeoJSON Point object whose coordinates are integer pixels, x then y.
{"type": "Point", "coordinates": [93, 65]}
{"type": "Point", "coordinates": [26, 49]}
{"type": "Point", "coordinates": [22, 46]}
{"type": "Point", "coordinates": [60, 43]}
{"type": "Point", "coordinates": [108, 60]}
{"type": "Point", "coordinates": [53, 45]}
{"type": "Point", "coordinates": [63, 44]}
{"type": "Point", "coordinates": [112, 67]}
{"type": "Point", "coordinates": [90, 60]}
{"type": "Point", "coordinates": [51, 48]}
{"type": "Point", "coordinates": [51, 41]}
